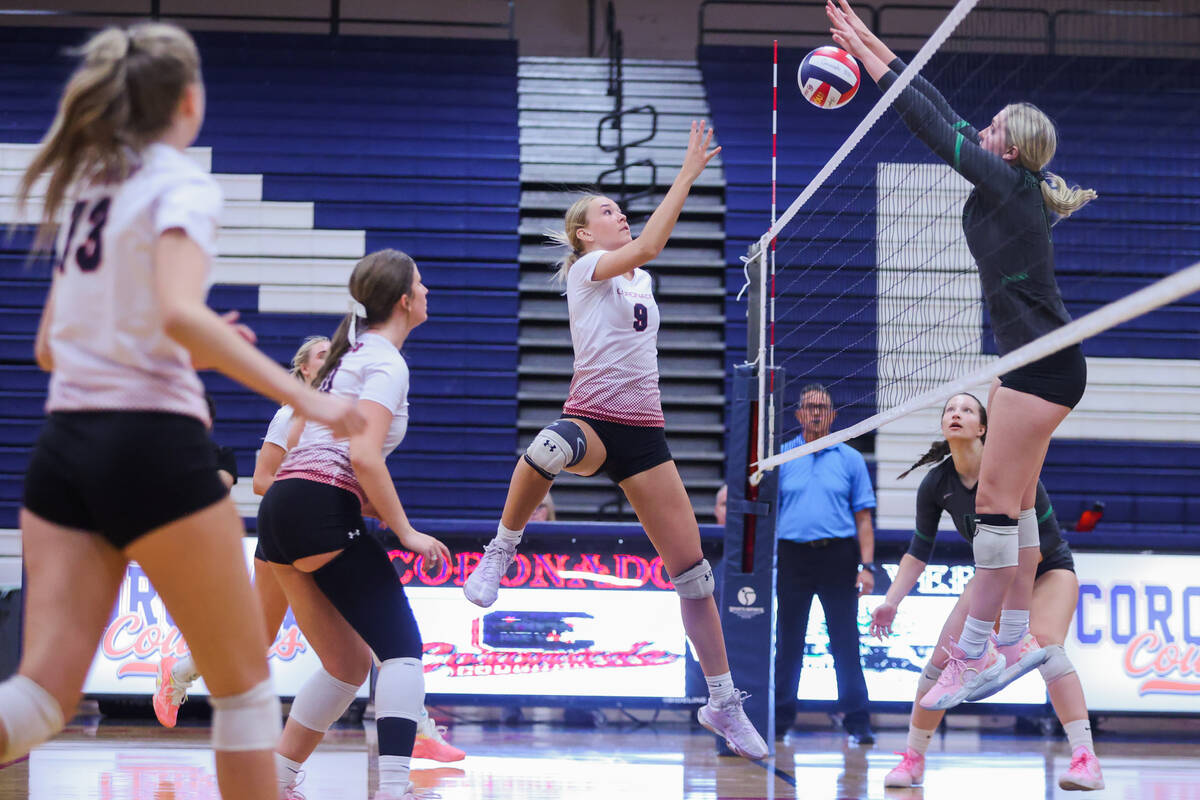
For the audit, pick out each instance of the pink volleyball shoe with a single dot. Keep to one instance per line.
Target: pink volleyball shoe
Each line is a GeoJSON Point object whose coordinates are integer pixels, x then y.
{"type": "Point", "coordinates": [1084, 773]}
{"type": "Point", "coordinates": [962, 676]}
{"type": "Point", "coordinates": [909, 772]}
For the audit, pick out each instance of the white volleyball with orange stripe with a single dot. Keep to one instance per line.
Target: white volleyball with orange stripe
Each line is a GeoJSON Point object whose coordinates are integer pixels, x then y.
{"type": "Point", "coordinates": [829, 77]}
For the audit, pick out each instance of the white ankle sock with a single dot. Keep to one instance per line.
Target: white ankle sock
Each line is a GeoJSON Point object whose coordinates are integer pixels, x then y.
{"type": "Point", "coordinates": [185, 670]}
{"type": "Point", "coordinates": [918, 739]}
{"type": "Point", "coordinates": [1013, 625]}
{"type": "Point", "coordinates": [720, 687]}
{"type": "Point", "coordinates": [286, 770]}
{"type": "Point", "coordinates": [1079, 734]}
{"type": "Point", "coordinates": [974, 636]}
{"type": "Point", "coordinates": [507, 536]}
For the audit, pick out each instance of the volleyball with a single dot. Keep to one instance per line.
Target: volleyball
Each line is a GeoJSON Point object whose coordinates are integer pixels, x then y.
{"type": "Point", "coordinates": [829, 77]}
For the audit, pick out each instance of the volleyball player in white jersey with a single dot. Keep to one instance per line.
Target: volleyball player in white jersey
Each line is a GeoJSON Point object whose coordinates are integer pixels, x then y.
{"type": "Point", "coordinates": [176, 675]}
{"type": "Point", "coordinates": [339, 581]}
{"type": "Point", "coordinates": [124, 469]}
{"type": "Point", "coordinates": [613, 422]}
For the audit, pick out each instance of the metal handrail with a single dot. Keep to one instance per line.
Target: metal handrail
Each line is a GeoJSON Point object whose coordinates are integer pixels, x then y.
{"type": "Point", "coordinates": [334, 19]}
{"type": "Point", "coordinates": [616, 117]}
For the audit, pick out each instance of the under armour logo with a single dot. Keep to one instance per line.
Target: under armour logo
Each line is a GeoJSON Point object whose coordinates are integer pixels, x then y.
{"type": "Point", "coordinates": [549, 445]}
{"type": "Point", "coordinates": [354, 533]}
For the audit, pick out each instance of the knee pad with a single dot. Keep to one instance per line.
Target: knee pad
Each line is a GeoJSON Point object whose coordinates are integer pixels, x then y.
{"type": "Point", "coordinates": [560, 444]}
{"type": "Point", "coordinates": [321, 701]}
{"type": "Point", "coordinates": [247, 721]}
{"type": "Point", "coordinates": [29, 716]}
{"type": "Point", "coordinates": [1057, 665]}
{"type": "Point", "coordinates": [400, 689]}
{"type": "Point", "coordinates": [1028, 534]}
{"type": "Point", "coordinates": [929, 678]}
{"type": "Point", "coordinates": [695, 583]}
{"type": "Point", "coordinates": [995, 542]}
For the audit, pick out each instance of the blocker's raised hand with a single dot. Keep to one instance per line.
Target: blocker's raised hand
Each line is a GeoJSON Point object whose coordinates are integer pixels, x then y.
{"type": "Point", "coordinates": [698, 154]}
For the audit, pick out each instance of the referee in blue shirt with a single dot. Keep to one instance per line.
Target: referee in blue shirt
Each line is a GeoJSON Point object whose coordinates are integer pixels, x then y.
{"type": "Point", "coordinates": [824, 532]}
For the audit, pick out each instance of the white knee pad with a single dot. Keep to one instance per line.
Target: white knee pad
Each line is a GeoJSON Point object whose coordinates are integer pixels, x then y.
{"type": "Point", "coordinates": [1057, 665]}
{"type": "Point", "coordinates": [995, 546]}
{"type": "Point", "coordinates": [29, 716]}
{"type": "Point", "coordinates": [400, 689]}
{"type": "Point", "coordinates": [696, 583]}
{"type": "Point", "coordinates": [247, 721]}
{"type": "Point", "coordinates": [559, 445]}
{"type": "Point", "coordinates": [929, 678]}
{"type": "Point", "coordinates": [321, 701]}
{"type": "Point", "coordinates": [1027, 529]}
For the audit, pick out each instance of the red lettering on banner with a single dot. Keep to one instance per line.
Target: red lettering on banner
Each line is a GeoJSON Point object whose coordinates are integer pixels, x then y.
{"type": "Point", "coordinates": [524, 570]}
{"type": "Point", "coordinates": [406, 558]}
{"type": "Point", "coordinates": [641, 568]}
{"type": "Point", "coordinates": [659, 576]}
{"type": "Point", "coordinates": [521, 662]}
{"type": "Point", "coordinates": [1147, 654]}
{"type": "Point", "coordinates": [437, 579]}
{"type": "Point", "coordinates": [287, 646]}
{"type": "Point", "coordinates": [128, 635]}
{"type": "Point", "coordinates": [466, 563]}
{"type": "Point", "coordinates": [543, 568]}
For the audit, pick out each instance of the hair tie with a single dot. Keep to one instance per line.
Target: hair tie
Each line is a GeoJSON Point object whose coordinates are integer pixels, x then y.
{"type": "Point", "coordinates": [357, 310]}
{"type": "Point", "coordinates": [1043, 175]}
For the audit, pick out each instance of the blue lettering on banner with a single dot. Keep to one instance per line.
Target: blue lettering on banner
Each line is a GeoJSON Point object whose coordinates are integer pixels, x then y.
{"type": "Point", "coordinates": [1130, 614]}
{"type": "Point", "coordinates": [1191, 595]}
{"type": "Point", "coordinates": [1157, 614]}
{"type": "Point", "coordinates": [140, 594]}
{"type": "Point", "coordinates": [1114, 597]}
{"type": "Point", "coordinates": [1085, 635]}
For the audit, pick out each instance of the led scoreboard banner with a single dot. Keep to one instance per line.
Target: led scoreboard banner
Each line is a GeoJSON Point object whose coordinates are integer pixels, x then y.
{"type": "Point", "coordinates": [588, 612]}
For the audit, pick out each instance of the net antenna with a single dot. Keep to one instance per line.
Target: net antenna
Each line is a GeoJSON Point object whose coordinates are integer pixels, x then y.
{"type": "Point", "coordinates": [766, 416]}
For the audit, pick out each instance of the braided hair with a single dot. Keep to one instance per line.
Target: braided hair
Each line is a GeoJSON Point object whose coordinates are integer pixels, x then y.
{"type": "Point", "coordinates": [940, 449]}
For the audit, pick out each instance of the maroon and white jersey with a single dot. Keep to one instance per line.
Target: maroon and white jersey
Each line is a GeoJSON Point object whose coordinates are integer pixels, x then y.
{"type": "Point", "coordinates": [614, 329]}
{"type": "Point", "coordinates": [111, 351]}
{"type": "Point", "coordinates": [372, 369]}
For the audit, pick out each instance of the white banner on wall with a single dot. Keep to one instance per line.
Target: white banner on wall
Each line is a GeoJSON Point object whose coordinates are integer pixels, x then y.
{"type": "Point", "coordinates": [1135, 639]}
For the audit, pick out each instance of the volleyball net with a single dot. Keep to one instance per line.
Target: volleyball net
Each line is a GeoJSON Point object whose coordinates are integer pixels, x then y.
{"type": "Point", "coordinates": [866, 285]}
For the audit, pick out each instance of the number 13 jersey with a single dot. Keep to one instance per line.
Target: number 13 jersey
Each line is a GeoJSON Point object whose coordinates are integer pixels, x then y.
{"type": "Point", "coordinates": [614, 330]}
{"type": "Point", "coordinates": [111, 351]}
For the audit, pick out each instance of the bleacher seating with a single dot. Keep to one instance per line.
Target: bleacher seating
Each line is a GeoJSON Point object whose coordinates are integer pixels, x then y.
{"type": "Point", "coordinates": [1126, 132]}
{"type": "Point", "coordinates": [381, 142]}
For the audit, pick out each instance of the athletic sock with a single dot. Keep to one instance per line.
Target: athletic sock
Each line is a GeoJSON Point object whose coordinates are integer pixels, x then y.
{"type": "Point", "coordinates": [509, 537]}
{"type": "Point", "coordinates": [720, 687]}
{"type": "Point", "coordinates": [286, 770]}
{"type": "Point", "coordinates": [974, 637]}
{"type": "Point", "coordinates": [185, 670]}
{"type": "Point", "coordinates": [918, 739]}
{"type": "Point", "coordinates": [1013, 625]}
{"type": "Point", "coordinates": [1079, 734]}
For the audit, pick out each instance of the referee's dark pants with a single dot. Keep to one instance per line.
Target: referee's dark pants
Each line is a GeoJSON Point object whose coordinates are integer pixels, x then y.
{"type": "Point", "coordinates": [826, 568]}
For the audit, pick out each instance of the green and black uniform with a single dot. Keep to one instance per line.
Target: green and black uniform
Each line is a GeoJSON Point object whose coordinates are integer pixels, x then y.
{"type": "Point", "coordinates": [1007, 228]}
{"type": "Point", "coordinates": [942, 490]}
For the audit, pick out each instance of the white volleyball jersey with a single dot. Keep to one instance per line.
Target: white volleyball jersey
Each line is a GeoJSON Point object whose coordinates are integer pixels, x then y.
{"type": "Point", "coordinates": [372, 369]}
{"type": "Point", "coordinates": [111, 352]}
{"type": "Point", "coordinates": [614, 329]}
{"type": "Point", "coordinates": [277, 431]}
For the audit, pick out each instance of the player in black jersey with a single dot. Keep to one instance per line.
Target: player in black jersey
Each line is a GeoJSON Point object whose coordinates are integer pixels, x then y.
{"type": "Point", "coordinates": [950, 487]}
{"type": "Point", "coordinates": [1006, 221]}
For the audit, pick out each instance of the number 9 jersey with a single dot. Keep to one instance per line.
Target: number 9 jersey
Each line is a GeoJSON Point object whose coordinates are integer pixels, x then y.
{"type": "Point", "coordinates": [110, 349]}
{"type": "Point", "coordinates": [614, 330]}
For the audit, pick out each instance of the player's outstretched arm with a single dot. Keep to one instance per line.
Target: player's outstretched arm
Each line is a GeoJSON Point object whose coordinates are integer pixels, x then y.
{"type": "Point", "coordinates": [180, 267]}
{"type": "Point", "coordinates": [653, 239]}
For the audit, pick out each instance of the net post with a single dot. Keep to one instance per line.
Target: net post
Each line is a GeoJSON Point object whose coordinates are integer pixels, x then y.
{"type": "Point", "coordinates": [747, 584]}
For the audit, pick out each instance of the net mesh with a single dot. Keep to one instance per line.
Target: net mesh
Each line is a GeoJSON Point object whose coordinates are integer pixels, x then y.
{"type": "Point", "coordinates": [877, 296]}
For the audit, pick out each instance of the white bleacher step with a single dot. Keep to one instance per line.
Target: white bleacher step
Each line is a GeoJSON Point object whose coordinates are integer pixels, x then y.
{"type": "Point", "coordinates": [268, 271]}
{"type": "Point", "coordinates": [19, 156]}
{"type": "Point", "coordinates": [233, 187]}
{"type": "Point", "coordinates": [585, 122]}
{"type": "Point", "coordinates": [588, 86]}
{"type": "Point", "coordinates": [559, 136]}
{"type": "Point", "coordinates": [557, 202]}
{"type": "Point", "coordinates": [303, 299]}
{"type": "Point", "coordinates": [236, 214]}
{"type": "Point", "coordinates": [668, 159]}
{"type": "Point", "coordinates": [576, 175]}
{"type": "Point", "coordinates": [566, 101]}
{"type": "Point", "coordinates": [295, 243]}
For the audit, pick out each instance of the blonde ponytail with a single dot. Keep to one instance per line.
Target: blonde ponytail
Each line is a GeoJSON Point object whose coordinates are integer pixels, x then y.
{"type": "Point", "coordinates": [1036, 140]}
{"type": "Point", "coordinates": [122, 96]}
{"type": "Point", "coordinates": [573, 221]}
{"type": "Point", "coordinates": [1062, 199]}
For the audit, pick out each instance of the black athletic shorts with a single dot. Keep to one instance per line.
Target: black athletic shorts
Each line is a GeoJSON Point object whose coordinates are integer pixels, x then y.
{"type": "Point", "coordinates": [1058, 558]}
{"type": "Point", "coordinates": [1058, 378]}
{"type": "Point", "coordinates": [121, 474]}
{"type": "Point", "coordinates": [298, 518]}
{"type": "Point", "coordinates": [632, 449]}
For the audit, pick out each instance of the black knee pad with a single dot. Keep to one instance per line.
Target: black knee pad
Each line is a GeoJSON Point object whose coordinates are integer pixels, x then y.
{"type": "Point", "coordinates": [363, 586]}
